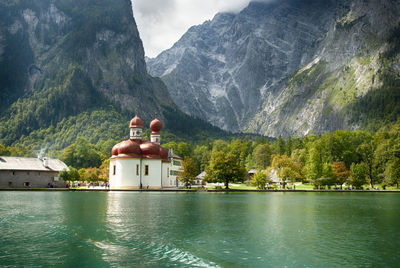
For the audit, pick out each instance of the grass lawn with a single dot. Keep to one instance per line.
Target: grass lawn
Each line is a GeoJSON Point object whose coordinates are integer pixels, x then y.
{"type": "Point", "coordinates": [299, 186]}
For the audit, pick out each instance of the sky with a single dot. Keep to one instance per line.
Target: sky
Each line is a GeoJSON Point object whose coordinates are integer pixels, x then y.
{"type": "Point", "coordinates": [162, 22]}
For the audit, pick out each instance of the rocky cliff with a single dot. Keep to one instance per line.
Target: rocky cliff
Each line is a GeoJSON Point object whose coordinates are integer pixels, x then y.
{"type": "Point", "coordinates": [284, 67]}
{"type": "Point", "coordinates": [76, 68]}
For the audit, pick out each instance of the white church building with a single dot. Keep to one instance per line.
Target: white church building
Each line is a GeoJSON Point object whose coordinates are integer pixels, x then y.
{"type": "Point", "coordinates": [140, 164]}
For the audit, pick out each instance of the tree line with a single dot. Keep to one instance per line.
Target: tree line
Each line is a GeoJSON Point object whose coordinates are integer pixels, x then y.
{"type": "Point", "coordinates": [356, 158]}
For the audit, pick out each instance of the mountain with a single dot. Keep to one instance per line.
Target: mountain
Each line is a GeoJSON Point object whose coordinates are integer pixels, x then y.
{"type": "Point", "coordinates": [73, 68]}
{"type": "Point", "coordinates": [289, 67]}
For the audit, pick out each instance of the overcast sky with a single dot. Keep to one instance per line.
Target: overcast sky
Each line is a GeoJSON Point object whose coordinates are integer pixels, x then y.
{"type": "Point", "coordinates": [162, 22]}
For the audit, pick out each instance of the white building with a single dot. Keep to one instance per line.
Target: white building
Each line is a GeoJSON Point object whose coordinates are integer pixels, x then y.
{"type": "Point", "coordinates": [139, 164]}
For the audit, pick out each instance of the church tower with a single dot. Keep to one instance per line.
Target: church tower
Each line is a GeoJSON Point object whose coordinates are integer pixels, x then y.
{"type": "Point", "coordinates": [155, 127]}
{"type": "Point", "coordinates": [135, 128]}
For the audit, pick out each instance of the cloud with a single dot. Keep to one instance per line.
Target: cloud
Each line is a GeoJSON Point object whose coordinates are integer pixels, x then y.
{"type": "Point", "coordinates": [162, 22]}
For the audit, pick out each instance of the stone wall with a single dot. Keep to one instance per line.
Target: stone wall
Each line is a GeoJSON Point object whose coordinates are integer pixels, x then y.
{"type": "Point", "coordinates": [29, 179]}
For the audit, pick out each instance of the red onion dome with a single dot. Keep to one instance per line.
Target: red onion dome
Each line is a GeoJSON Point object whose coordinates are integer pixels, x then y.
{"type": "Point", "coordinates": [150, 150]}
{"type": "Point", "coordinates": [155, 126]}
{"type": "Point", "coordinates": [164, 154]}
{"type": "Point", "coordinates": [136, 122]}
{"type": "Point", "coordinates": [114, 151]}
{"type": "Point", "coordinates": [129, 149]}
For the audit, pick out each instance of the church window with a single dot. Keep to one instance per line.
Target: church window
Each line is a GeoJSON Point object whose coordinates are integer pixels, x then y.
{"type": "Point", "coordinates": [167, 172]}
{"type": "Point", "coordinates": [137, 170]}
{"type": "Point", "coordinates": [146, 170]}
{"type": "Point", "coordinates": [114, 169]}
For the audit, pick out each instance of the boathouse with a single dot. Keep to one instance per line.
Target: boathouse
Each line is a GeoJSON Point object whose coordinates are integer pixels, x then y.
{"type": "Point", "coordinates": [23, 172]}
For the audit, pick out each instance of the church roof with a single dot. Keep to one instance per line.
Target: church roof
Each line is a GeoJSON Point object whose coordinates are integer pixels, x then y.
{"type": "Point", "coordinates": [31, 164]}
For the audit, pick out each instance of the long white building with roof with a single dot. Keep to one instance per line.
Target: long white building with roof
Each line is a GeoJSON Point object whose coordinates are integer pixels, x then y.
{"type": "Point", "coordinates": [23, 172]}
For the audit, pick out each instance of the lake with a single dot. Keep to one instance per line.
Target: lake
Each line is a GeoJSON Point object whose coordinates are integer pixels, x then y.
{"type": "Point", "coordinates": [126, 229]}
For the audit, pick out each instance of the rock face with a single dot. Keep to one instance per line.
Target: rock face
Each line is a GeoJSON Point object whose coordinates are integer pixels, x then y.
{"type": "Point", "coordinates": [59, 58]}
{"type": "Point", "coordinates": [282, 68]}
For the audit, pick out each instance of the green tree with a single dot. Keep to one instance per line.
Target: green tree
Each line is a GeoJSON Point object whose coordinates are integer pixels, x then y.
{"type": "Point", "coordinates": [71, 175]}
{"type": "Point", "coordinates": [241, 149]}
{"type": "Point", "coordinates": [189, 172]}
{"type": "Point", "coordinates": [224, 167]}
{"type": "Point", "coordinates": [259, 179]}
{"type": "Point", "coordinates": [327, 178]}
{"type": "Point", "coordinates": [64, 175]}
{"type": "Point", "coordinates": [81, 154]}
{"type": "Point", "coordinates": [184, 149]}
{"type": "Point", "coordinates": [314, 164]}
{"type": "Point", "coordinates": [201, 154]}
{"type": "Point", "coordinates": [262, 156]}
{"type": "Point", "coordinates": [358, 174]}
{"type": "Point", "coordinates": [366, 150]}
{"type": "Point", "coordinates": [220, 146]}
{"type": "Point", "coordinates": [280, 145]}
{"type": "Point", "coordinates": [392, 172]}
{"type": "Point", "coordinates": [287, 168]}
{"type": "Point", "coordinates": [3, 150]}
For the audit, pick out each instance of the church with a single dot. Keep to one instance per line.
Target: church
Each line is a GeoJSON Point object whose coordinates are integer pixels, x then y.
{"type": "Point", "coordinates": [141, 164]}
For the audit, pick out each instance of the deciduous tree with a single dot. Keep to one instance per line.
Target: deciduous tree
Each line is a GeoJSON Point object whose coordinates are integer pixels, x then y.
{"type": "Point", "coordinates": [262, 156]}
{"type": "Point", "coordinates": [340, 172]}
{"type": "Point", "coordinates": [189, 172]}
{"type": "Point", "coordinates": [224, 167]}
{"type": "Point", "coordinates": [392, 172]}
{"type": "Point", "coordinates": [358, 174]}
{"type": "Point", "coordinates": [287, 168]}
{"type": "Point", "coordinates": [260, 179]}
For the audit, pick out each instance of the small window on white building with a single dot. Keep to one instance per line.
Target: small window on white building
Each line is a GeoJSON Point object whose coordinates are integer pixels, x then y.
{"type": "Point", "coordinates": [167, 172]}
{"type": "Point", "coordinates": [114, 170]}
{"type": "Point", "coordinates": [146, 170]}
{"type": "Point", "coordinates": [137, 170]}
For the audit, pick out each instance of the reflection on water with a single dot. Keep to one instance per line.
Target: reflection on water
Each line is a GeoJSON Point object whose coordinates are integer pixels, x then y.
{"type": "Point", "coordinates": [116, 229]}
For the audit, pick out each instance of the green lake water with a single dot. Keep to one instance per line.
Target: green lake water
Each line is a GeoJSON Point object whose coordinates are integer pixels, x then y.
{"type": "Point", "coordinates": [163, 229]}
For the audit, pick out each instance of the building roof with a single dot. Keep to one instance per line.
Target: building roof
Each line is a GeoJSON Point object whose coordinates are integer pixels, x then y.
{"type": "Point", "coordinates": [201, 176]}
{"type": "Point", "coordinates": [171, 154]}
{"type": "Point", "coordinates": [33, 164]}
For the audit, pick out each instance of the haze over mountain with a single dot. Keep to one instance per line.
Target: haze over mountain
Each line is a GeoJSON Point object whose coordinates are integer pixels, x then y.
{"type": "Point", "coordinates": [73, 68]}
{"type": "Point", "coordinates": [289, 67]}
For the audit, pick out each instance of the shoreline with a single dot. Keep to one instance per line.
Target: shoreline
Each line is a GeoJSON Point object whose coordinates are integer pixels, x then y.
{"type": "Point", "coordinates": [196, 190]}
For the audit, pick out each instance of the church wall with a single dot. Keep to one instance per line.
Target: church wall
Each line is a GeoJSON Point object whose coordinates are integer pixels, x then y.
{"type": "Point", "coordinates": [167, 181]}
{"type": "Point", "coordinates": [125, 173]}
{"type": "Point", "coordinates": [153, 180]}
